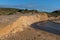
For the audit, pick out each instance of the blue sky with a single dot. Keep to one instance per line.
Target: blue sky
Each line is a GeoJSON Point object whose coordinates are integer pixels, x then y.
{"type": "Point", "coordinates": [41, 5]}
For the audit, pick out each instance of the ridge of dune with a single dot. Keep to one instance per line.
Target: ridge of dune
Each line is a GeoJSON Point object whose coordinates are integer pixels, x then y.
{"type": "Point", "coordinates": [23, 22]}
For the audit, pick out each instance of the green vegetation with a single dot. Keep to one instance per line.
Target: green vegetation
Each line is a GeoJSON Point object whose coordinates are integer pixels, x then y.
{"type": "Point", "coordinates": [9, 11]}
{"type": "Point", "coordinates": [54, 13]}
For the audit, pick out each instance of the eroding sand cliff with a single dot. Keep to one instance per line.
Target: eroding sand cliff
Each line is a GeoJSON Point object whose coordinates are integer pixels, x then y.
{"type": "Point", "coordinates": [23, 22]}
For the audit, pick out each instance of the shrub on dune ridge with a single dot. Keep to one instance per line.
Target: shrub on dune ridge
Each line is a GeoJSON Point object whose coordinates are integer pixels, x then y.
{"type": "Point", "coordinates": [9, 11]}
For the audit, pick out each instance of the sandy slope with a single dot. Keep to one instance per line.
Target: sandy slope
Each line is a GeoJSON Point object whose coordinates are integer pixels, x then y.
{"type": "Point", "coordinates": [33, 34]}
{"type": "Point", "coordinates": [22, 22]}
{"type": "Point", "coordinates": [19, 28]}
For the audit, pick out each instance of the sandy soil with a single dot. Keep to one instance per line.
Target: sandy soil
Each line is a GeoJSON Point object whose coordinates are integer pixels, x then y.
{"type": "Point", "coordinates": [36, 29]}
{"type": "Point", "coordinates": [32, 34]}
{"type": "Point", "coordinates": [7, 19]}
{"type": "Point", "coordinates": [56, 21]}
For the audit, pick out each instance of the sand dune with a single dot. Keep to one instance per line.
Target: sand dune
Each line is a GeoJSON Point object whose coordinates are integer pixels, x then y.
{"type": "Point", "coordinates": [22, 22]}
{"type": "Point", "coordinates": [28, 27]}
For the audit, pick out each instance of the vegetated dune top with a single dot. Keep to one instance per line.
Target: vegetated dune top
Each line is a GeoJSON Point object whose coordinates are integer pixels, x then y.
{"type": "Point", "coordinates": [19, 22]}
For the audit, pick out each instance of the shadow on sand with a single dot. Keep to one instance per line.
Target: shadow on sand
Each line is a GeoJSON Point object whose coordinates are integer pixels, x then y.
{"type": "Point", "coordinates": [47, 26]}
